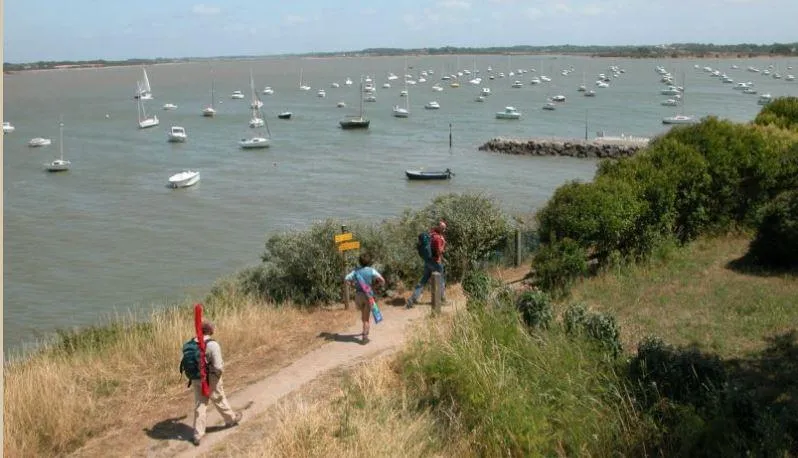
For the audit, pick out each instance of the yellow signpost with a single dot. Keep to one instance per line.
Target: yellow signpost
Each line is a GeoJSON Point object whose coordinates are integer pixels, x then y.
{"type": "Point", "coordinates": [346, 236]}
{"type": "Point", "coordinates": [346, 246]}
{"type": "Point", "coordinates": [345, 242]}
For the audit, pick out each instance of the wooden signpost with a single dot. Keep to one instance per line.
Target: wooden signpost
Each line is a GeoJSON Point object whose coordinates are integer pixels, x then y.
{"type": "Point", "coordinates": [345, 242]}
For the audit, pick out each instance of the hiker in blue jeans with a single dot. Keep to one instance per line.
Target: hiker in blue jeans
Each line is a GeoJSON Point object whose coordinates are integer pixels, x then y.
{"type": "Point", "coordinates": [433, 264]}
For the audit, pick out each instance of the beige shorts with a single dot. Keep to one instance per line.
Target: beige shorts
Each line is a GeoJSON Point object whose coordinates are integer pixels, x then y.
{"type": "Point", "coordinates": [361, 300]}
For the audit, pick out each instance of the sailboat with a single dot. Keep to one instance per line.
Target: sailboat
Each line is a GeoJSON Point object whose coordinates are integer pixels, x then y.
{"type": "Point", "coordinates": [59, 165]}
{"type": "Point", "coordinates": [356, 122]}
{"type": "Point", "coordinates": [427, 175]}
{"type": "Point", "coordinates": [209, 111]}
{"type": "Point", "coordinates": [144, 91]}
{"type": "Point", "coordinates": [257, 140]}
{"type": "Point", "coordinates": [680, 118]}
{"type": "Point", "coordinates": [144, 120]}
{"type": "Point", "coordinates": [398, 111]}
{"type": "Point", "coordinates": [302, 87]}
{"type": "Point", "coordinates": [257, 119]}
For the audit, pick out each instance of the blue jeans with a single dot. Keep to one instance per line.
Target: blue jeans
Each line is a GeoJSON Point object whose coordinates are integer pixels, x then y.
{"type": "Point", "coordinates": [429, 268]}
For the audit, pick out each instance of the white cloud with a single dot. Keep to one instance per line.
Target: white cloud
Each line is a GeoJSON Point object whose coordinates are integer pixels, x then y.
{"type": "Point", "coordinates": [591, 10]}
{"type": "Point", "coordinates": [561, 8]}
{"type": "Point", "coordinates": [455, 4]}
{"type": "Point", "coordinates": [293, 19]}
{"type": "Point", "coordinates": [533, 13]}
{"type": "Point", "coordinates": [205, 10]}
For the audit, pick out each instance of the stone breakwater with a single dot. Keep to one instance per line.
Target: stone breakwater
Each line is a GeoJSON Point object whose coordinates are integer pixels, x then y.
{"type": "Point", "coordinates": [601, 147]}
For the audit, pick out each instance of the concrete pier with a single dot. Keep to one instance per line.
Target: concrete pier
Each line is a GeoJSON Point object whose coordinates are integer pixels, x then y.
{"type": "Point", "coordinates": [600, 147]}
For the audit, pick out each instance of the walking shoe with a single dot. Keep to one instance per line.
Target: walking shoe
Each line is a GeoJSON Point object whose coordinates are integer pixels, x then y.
{"type": "Point", "coordinates": [235, 421]}
{"type": "Point", "coordinates": [409, 304]}
{"type": "Point", "coordinates": [195, 440]}
{"type": "Point", "coordinates": [364, 339]}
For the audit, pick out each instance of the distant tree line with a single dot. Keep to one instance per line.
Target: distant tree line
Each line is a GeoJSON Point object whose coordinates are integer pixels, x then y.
{"type": "Point", "coordinates": [631, 51]}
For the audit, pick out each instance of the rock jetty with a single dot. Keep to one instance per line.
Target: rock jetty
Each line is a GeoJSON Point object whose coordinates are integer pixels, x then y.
{"type": "Point", "coordinates": [600, 147]}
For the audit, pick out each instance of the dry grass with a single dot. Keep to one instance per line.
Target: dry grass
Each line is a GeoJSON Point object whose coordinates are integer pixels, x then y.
{"type": "Point", "coordinates": [55, 402]}
{"type": "Point", "coordinates": [696, 297]}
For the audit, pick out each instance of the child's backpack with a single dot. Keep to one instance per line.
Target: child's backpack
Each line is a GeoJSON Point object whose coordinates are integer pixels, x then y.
{"type": "Point", "coordinates": [424, 246]}
{"type": "Point", "coordinates": [190, 364]}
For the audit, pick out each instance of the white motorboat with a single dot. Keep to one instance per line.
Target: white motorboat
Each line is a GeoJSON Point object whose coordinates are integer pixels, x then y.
{"type": "Point", "coordinates": [508, 113]}
{"type": "Point", "coordinates": [582, 88]}
{"type": "Point", "coordinates": [177, 134]}
{"type": "Point", "coordinates": [348, 82]}
{"type": "Point", "coordinates": [671, 90]}
{"type": "Point", "coordinates": [558, 98]}
{"type": "Point", "coordinates": [370, 98]}
{"type": "Point", "coordinates": [765, 99]}
{"type": "Point", "coordinates": [285, 115]}
{"type": "Point", "coordinates": [432, 105]}
{"type": "Point", "coordinates": [485, 91]}
{"type": "Point", "coordinates": [789, 78]}
{"type": "Point", "coordinates": [335, 85]}
{"type": "Point", "coordinates": [480, 98]}
{"type": "Point", "coordinates": [237, 95]}
{"type": "Point", "coordinates": [268, 90]}
{"type": "Point", "coordinates": [254, 143]}
{"type": "Point", "coordinates": [590, 93]}
{"type": "Point", "coordinates": [7, 127]}
{"type": "Point", "coordinates": [341, 105]}
{"type": "Point", "coordinates": [59, 165]}
{"type": "Point", "coordinates": [144, 120]}
{"type": "Point", "coordinates": [749, 90]}
{"type": "Point", "coordinates": [550, 106]}
{"type": "Point", "coordinates": [169, 106]}
{"type": "Point", "coordinates": [679, 119]}
{"type": "Point", "coordinates": [517, 84]}
{"type": "Point", "coordinates": [437, 87]}
{"type": "Point", "coordinates": [39, 141]}
{"type": "Point", "coordinates": [400, 112]}
{"type": "Point", "coordinates": [403, 94]}
{"type": "Point", "coordinates": [184, 179]}
{"type": "Point", "coordinates": [386, 85]}
{"type": "Point", "coordinates": [670, 103]}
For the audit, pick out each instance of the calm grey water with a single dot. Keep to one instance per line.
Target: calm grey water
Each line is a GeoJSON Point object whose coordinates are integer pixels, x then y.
{"type": "Point", "coordinates": [109, 237]}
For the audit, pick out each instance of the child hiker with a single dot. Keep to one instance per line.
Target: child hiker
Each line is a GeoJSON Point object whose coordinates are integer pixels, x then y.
{"type": "Point", "coordinates": [363, 279]}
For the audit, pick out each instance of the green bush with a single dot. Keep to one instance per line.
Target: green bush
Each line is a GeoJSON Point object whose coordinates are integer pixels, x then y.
{"type": "Point", "coordinates": [535, 309]}
{"type": "Point", "coordinates": [598, 326]}
{"type": "Point", "coordinates": [557, 265]}
{"type": "Point", "coordinates": [781, 112]}
{"type": "Point", "coordinates": [602, 216]}
{"type": "Point", "coordinates": [776, 241]}
{"type": "Point", "coordinates": [477, 285]}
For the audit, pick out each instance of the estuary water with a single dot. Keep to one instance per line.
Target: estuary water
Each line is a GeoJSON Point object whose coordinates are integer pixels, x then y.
{"type": "Point", "coordinates": [109, 237]}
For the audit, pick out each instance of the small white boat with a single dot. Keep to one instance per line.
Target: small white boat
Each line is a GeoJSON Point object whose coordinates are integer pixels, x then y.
{"type": "Point", "coordinates": [256, 104]}
{"type": "Point", "coordinates": [237, 95]}
{"type": "Point", "coordinates": [590, 93]}
{"type": "Point", "coordinates": [403, 93]}
{"type": "Point", "coordinates": [169, 106]}
{"type": "Point", "coordinates": [7, 127]}
{"type": "Point", "coordinates": [517, 84]}
{"type": "Point", "coordinates": [184, 179]}
{"type": "Point", "coordinates": [558, 98]}
{"type": "Point", "coordinates": [550, 106]}
{"type": "Point", "coordinates": [508, 113]}
{"type": "Point", "coordinates": [679, 119]}
{"type": "Point", "coordinates": [254, 143]}
{"type": "Point", "coordinates": [480, 98]}
{"type": "Point", "coordinates": [485, 91]}
{"type": "Point", "coordinates": [437, 87]}
{"type": "Point", "coordinates": [209, 112]}
{"type": "Point", "coordinates": [386, 85]}
{"type": "Point", "coordinates": [144, 120]}
{"type": "Point", "coordinates": [789, 78]}
{"type": "Point", "coordinates": [335, 85]}
{"type": "Point", "coordinates": [59, 165]}
{"type": "Point", "coordinates": [749, 90]}
{"type": "Point", "coordinates": [177, 134]}
{"type": "Point", "coordinates": [256, 121]}
{"type": "Point", "coordinates": [39, 141]}
{"type": "Point", "coordinates": [670, 103]}
{"type": "Point", "coordinates": [370, 98]}
{"type": "Point", "coordinates": [285, 115]}
{"type": "Point", "coordinates": [432, 105]}
{"type": "Point", "coordinates": [268, 90]}
{"type": "Point", "coordinates": [348, 82]}
{"type": "Point", "coordinates": [321, 93]}
{"type": "Point", "coordinates": [765, 99]}
{"type": "Point", "coordinates": [582, 88]}
{"type": "Point", "coordinates": [400, 112]}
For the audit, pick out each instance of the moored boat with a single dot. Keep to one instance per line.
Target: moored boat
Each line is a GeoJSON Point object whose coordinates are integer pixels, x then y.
{"type": "Point", "coordinates": [184, 179]}
{"type": "Point", "coordinates": [429, 174]}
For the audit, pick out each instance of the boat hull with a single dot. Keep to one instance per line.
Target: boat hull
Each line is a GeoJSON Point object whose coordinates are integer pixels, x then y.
{"type": "Point", "coordinates": [284, 115]}
{"type": "Point", "coordinates": [149, 122]}
{"type": "Point", "coordinates": [254, 143]}
{"type": "Point", "coordinates": [428, 175]}
{"type": "Point", "coordinates": [355, 124]}
{"type": "Point", "coordinates": [184, 179]}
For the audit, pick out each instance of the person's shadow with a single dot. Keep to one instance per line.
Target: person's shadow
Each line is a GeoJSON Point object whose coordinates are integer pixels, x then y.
{"type": "Point", "coordinates": [171, 429]}
{"type": "Point", "coordinates": [334, 336]}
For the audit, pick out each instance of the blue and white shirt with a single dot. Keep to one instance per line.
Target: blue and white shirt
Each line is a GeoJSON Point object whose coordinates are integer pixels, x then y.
{"type": "Point", "coordinates": [368, 274]}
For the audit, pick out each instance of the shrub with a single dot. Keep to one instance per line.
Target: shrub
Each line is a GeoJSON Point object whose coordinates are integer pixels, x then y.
{"type": "Point", "coordinates": [535, 309]}
{"type": "Point", "coordinates": [558, 264]}
{"type": "Point", "coordinates": [781, 112]}
{"type": "Point", "coordinates": [598, 326]}
{"type": "Point", "coordinates": [776, 241]}
{"type": "Point", "coordinates": [601, 216]}
{"type": "Point", "coordinates": [477, 285]}
{"type": "Point", "coordinates": [683, 375]}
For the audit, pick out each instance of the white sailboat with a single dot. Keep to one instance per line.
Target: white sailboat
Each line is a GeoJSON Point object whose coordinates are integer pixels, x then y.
{"type": "Point", "coordinates": [144, 120]}
{"type": "Point", "coordinates": [257, 119]}
{"type": "Point", "coordinates": [398, 111]}
{"type": "Point", "coordinates": [680, 118]}
{"type": "Point", "coordinates": [302, 87]}
{"type": "Point", "coordinates": [209, 111]}
{"type": "Point", "coordinates": [144, 91]}
{"type": "Point", "coordinates": [59, 165]}
{"type": "Point", "coordinates": [257, 140]}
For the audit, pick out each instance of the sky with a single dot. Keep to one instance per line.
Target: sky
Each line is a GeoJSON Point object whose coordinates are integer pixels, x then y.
{"type": "Point", "coordinates": [115, 30]}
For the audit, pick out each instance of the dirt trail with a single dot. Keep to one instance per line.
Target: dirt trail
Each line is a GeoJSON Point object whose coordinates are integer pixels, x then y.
{"type": "Point", "coordinates": [342, 350]}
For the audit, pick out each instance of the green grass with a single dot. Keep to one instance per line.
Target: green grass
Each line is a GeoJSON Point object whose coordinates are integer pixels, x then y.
{"type": "Point", "coordinates": [697, 297]}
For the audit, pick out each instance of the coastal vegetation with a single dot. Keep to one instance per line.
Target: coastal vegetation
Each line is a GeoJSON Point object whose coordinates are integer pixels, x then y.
{"type": "Point", "coordinates": [674, 50]}
{"type": "Point", "coordinates": [646, 327]}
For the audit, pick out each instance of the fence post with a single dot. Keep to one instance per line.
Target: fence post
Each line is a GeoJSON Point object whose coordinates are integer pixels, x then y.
{"type": "Point", "coordinates": [345, 292]}
{"type": "Point", "coordinates": [517, 247]}
{"type": "Point", "coordinates": [436, 292]}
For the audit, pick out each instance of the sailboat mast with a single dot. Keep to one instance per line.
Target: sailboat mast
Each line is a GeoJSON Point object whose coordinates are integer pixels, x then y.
{"type": "Point", "coordinates": [61, 137]}
{"type": "Point", "coordinates": [450, 138]}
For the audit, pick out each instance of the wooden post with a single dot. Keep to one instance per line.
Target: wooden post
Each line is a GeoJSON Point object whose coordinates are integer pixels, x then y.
{"type": "Point", "coordinates": [517, 247]}
{"type": "Point", "coordinates": [345, 292]}
{"type": "Point", "coordinates": [435, 287]}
